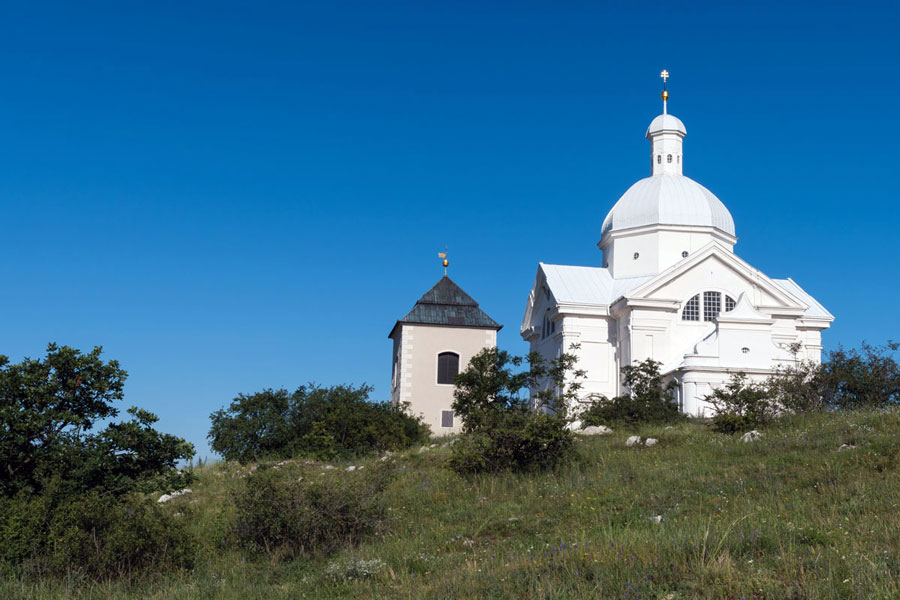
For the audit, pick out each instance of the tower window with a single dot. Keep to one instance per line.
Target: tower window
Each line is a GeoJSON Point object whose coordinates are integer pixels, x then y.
{"type": "Point", "coordinates": [691, 310]}
{"type": "Point", "coordinates": [636, 256]}
{"type": "Point", "coordinates": [448, 367]}
{"type": "Point", "coordinates": [659, 159]}
{"type": "Point", "coordinates": [669, 158]}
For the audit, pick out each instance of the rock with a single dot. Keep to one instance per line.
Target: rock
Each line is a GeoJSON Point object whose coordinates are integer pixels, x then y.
{"type": "Point", "coordinates": [423, 449]}
{"type": "Point", "coordinates": [595, 430]}
{"type": "Point", "coordinates": [633, 441]}
{"type": "Point", "coordinates": [513, 519]}
{"type": "Point", "coordinates": [328, 467]}
{"type": "Point", "coordinates": [656, 519]}
{"type": "Point", "coordinates": [845, 447]}
{"type": "Point", "coordinates": [299, 479]}
{"type": "Point", "coordinates": [350, 469]}
{"type": "Point", "coordinates": [575, 425]}
{"type": "Point", "coordinates": [650, 441]}
{"type": "Point", "coordinates": [173, 495]}
{"type": "Point", "coordinates": [433, 446]}
{"type": "Point", "coordinates": [750, 436]}
{"type": "Point", "coordinates": [360, 468]}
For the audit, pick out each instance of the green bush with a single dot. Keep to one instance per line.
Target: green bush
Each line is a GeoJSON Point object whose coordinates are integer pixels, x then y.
{"type": "Point", "coordinates": [518, 440]}
{"type": "Point", "coordinates": [326, 423]}
{"type": "Point", "coordinates": [514, 419]}
{"type": "Point", "coordinates": [650, 399]}
{"type": "Point", "coordinates": [284, 517]}
{"type": "Point", "coordinates": [865, 378]}
{"type": "Point", "coordinates": [92, 534]}
{"type": "Point", "coordinates": [742, 406]}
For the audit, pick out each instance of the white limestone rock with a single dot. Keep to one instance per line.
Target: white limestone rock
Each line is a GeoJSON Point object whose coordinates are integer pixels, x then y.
{"type": "Point", "coordinates": [575, 425]}
{"type": "Point", "coordinates": [750, 436]}
{"type": "Point", "coordinates": [650, 441]}
{"type": "Point", "coordinates": [656, 519]}
{"type": "Point", "coordinates": [350, 469]}
{"type": "Point", "coordinates": [173, 495]}
{"type": "Point", "coordinates": [634, 440]}
{"type": "Point", "coordinates": [595, 430]}
{"type": "Point", "coordinates": [845, 447]}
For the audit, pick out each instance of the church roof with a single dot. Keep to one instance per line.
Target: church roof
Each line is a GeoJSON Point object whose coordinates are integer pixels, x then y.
{"type": "Point", "coordinates": [587, 285]}
{"type": "Point", "coordinates": [448, 305]}
{"type": "Point", "coordinates": [815, 310]}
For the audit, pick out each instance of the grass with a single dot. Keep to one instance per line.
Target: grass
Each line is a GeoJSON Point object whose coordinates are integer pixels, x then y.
{"type": "Point", "coordinates": [786, 516]}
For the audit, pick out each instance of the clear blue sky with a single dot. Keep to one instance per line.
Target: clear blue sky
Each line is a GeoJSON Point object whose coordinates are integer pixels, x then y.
{"type": "Point", "coordinates": [229, 197]}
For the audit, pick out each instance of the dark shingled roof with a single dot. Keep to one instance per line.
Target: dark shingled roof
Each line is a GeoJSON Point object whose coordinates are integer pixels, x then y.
{"type": "Point", "coordinates": [446, 304]}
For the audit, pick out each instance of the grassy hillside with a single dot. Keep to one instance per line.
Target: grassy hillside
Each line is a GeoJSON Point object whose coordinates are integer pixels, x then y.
{"type": "Point", "coordinates": [786, 516]}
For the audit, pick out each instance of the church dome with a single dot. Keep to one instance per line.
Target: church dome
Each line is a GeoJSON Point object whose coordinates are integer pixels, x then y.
{"type": "Point", "coordinates": [668, 199]}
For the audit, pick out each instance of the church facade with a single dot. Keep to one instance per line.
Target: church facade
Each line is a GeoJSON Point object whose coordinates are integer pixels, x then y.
{"type": "Point", "coordinates": [671, 288]}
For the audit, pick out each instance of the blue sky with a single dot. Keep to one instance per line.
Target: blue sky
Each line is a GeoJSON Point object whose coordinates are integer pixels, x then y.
{"type": "Point", "coordinates": [233, 196]}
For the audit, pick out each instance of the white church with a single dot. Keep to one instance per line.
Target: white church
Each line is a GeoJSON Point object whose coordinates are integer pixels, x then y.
{"type": "Point", "coordinates": [672, 289]}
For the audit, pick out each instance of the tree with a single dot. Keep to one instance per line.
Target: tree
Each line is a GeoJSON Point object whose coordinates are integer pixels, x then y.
{"type": "Point", "coordinates": [48, 409]}
{"type": "Point", "coordinates": [514, 418]}
{"type": "Point", "coordinates": [650, 399]}
{"type": "Point", "coordinates": [494, 384]}
{"type": "Point", "coordinates": [325, 422]}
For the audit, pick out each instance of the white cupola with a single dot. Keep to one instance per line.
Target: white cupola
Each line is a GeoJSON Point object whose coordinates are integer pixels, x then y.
{"type": "Point", "coordinates": [666, 134]}
{"type": "Point", "coordinates": [663, 218]}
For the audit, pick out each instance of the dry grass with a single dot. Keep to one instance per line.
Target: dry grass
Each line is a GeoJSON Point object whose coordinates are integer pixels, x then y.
{"type": "Point", "coordinates": [786, 516]}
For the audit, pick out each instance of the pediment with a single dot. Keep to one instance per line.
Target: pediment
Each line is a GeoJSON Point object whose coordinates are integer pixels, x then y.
{"type": "Point", "coordinates": [716, 268]}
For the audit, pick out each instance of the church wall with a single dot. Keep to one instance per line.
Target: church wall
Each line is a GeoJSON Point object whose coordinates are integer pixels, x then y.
{"type": "Point", "coordinates": [672, 244]}
{"type": "Point", "coordinates": [596, 338]}
{"type": "Point", "coordinates": [623, 262]}
{"type": "Point", "coordinates": [420, 346]}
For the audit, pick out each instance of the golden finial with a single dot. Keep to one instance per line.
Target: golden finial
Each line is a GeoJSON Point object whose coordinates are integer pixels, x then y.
{"type": "Point", "coordinates": [444, 262]}
{"type": "Point", "coordinates": [665, 92]}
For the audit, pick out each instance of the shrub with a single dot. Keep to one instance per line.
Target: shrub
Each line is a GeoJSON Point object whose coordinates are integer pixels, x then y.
{"type": "Point", "coordinates": [866, 378]}
{"type": "Point", "coordinates": [325, 423]}
{"type": "Point", "coordinates": [92, 534]}
{"type": "Point", "coordinates": [518, 440]}
{"type": "Point", "coordinates": [283, 517]}
{"type": "Point", "coordinates": [514, 419]}
{"type": "Point", "coordinates": [650, 399]}
{"type": "Point", "coordinates": [741, 406]}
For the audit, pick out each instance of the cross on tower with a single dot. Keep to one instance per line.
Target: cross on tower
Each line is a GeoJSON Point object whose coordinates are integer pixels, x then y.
{"type": "Point", "coordinates": [664, 75]}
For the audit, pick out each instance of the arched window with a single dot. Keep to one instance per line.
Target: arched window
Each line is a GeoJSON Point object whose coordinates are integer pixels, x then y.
{"type": "Point", "coordinates": [669, 158]}
{"type": "Point", "coordinates": [659, 159]}
{"type": "Point", "coordinates": [448, 367]}
{"type": "Point", "coordinates": [691, 310]}
{"type": "Point", "coordinates": [711, 306]}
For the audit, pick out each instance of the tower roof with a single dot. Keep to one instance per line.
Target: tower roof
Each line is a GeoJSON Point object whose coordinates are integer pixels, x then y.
{"type": "Point", "coordinates": [446, 304]}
